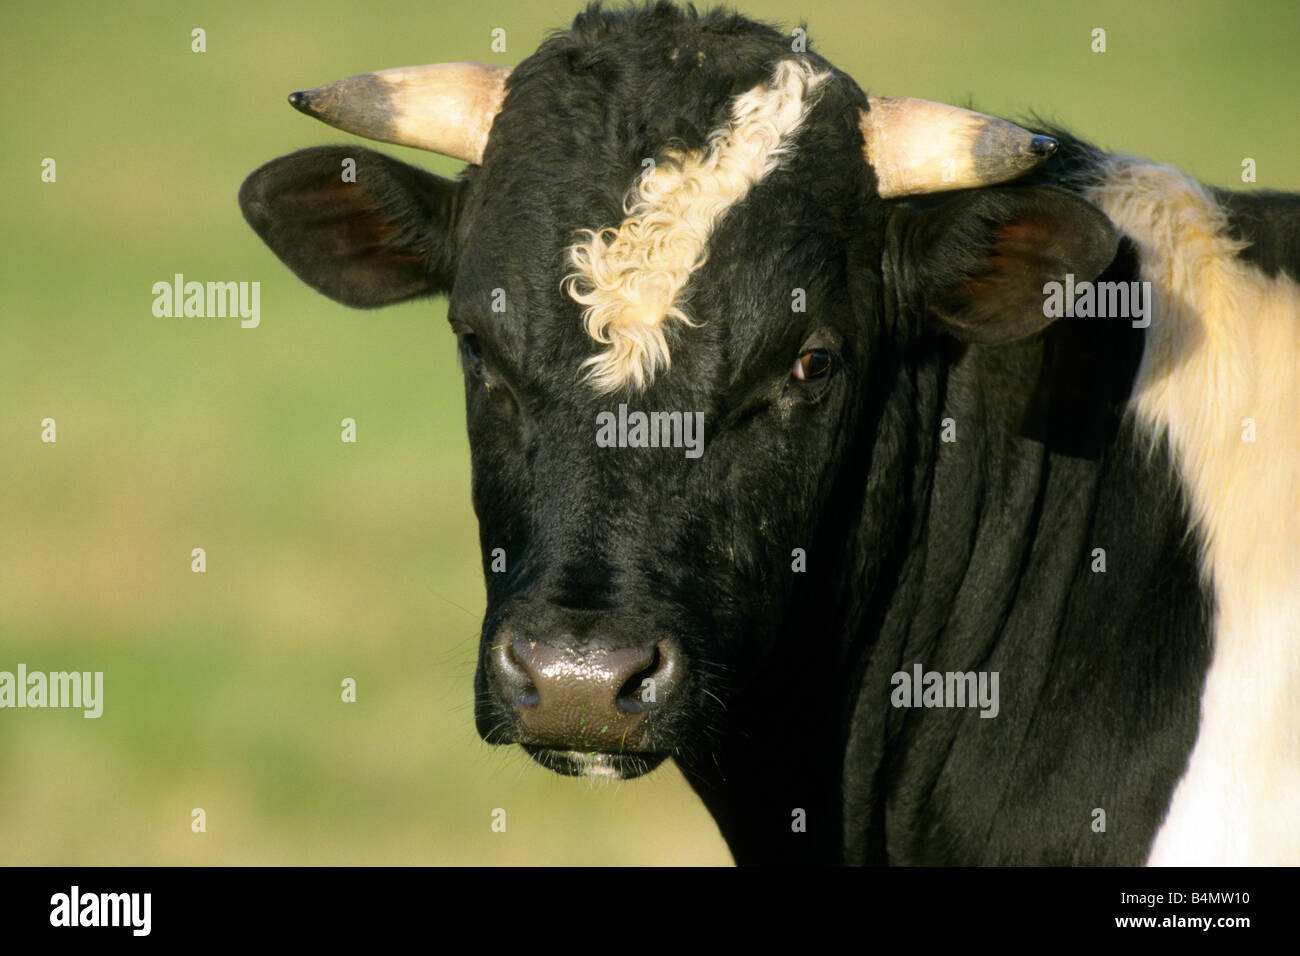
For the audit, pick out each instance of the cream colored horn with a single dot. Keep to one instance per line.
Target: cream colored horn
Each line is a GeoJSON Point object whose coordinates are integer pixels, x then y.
{"type": "Point", "coordinates": [916, 146]}
{"type": "Point", "coordinates": [445, 108]}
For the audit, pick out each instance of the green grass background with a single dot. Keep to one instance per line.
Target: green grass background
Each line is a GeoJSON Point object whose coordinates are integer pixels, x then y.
{"type": "Point", "coordinates": [328, 560]}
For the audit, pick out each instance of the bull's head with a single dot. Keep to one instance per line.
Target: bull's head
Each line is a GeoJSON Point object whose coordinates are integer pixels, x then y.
{"type": "Point", "coordinates": [773, 279]}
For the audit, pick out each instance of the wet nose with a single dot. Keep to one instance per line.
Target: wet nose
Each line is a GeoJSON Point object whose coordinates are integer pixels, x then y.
{"type": "Point", "coordinates": [583, 698]}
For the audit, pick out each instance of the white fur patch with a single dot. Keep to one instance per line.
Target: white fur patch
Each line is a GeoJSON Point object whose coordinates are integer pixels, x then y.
{"type": "Point", "coordinates": [630, 278]}
{"type": "Point", "coordinates": [1223, 348]}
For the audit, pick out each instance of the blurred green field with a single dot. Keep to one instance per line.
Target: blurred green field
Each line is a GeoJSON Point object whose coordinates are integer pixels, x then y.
{"type": "Point", "coordinates": [328, 560]}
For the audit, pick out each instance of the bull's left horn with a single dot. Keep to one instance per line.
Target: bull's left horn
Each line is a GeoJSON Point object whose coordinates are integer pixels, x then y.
{"type": "Point", "coordinates": [916, 146]}
{"type": "Point", "coordinates": [445, 108]}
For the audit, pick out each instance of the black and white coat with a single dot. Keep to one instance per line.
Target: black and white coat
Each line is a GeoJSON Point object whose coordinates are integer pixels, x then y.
{"type": "Point", "coordinates": [1104, 513]}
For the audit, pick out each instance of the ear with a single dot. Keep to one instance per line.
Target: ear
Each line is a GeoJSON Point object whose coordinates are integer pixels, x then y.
{"type": "Point", "coordinates": [384, 238]}
{"type": "Point", "coordinates": [978, 261]}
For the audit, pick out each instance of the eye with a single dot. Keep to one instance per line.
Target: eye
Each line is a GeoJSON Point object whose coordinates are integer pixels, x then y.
{"type": "Point", "coordinates": [472, 352]}
{"type": "Point", "coordinates": [812, 365]}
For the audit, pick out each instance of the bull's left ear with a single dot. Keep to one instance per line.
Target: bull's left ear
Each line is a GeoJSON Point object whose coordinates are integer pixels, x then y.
{"type": "Point", "coordinates": [978, 261]}
{"type": "Point", "coordinates": [363, 229]}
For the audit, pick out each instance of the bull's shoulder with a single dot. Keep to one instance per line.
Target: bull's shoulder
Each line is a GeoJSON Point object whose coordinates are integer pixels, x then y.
{"type": "Point", "coordinates": [1269, 222]}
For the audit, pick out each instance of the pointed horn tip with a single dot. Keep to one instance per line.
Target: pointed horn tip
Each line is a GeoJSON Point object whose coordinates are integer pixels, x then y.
{"type": "Point", "coordinates": [301, 101]}
{"type": "Point", "coordinates": [1043, 146]}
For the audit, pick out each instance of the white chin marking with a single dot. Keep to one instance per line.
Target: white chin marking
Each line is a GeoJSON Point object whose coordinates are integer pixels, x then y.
{"type": "Point", "coordinates": [1222, 357]}
{"type": "Point", "coordinates": [594, 766]}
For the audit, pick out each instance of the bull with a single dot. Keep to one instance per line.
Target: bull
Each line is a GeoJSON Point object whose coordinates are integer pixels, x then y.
{"type": "Point", "coordinates": [961, 572]}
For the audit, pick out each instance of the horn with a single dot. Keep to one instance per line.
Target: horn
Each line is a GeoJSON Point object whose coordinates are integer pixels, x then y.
{"type": "Point", "coordinates": [445, 108]}
{"type": "Point", "coordinates": [916, 146]}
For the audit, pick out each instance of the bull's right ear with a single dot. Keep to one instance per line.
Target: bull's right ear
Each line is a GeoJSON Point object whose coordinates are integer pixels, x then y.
{"type": "Point", "coordinates": [383, 238]}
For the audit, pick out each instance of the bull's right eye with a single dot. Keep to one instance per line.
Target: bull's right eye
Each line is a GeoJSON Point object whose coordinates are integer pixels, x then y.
{"type": "Point", "coordinates": [473, 354]}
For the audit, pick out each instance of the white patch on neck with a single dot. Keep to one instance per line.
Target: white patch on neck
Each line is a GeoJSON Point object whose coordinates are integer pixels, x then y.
{"type": "Point", "coordinates": [630, 278]}
{"type": "Point", "coordinates": [1224, 347]}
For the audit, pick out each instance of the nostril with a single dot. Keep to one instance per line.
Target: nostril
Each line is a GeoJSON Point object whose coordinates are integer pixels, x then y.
{"type": "Point", "coordinates": [647, 685]}
{"type": "Point", "coordinates": [513, 663]}
{"type": "Point", "coordinates": [641, 689]}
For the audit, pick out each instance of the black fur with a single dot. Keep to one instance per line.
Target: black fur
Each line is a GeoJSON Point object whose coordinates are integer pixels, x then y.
{"type": "Point", "coordinates": [973, 555]}
{"type": "Point", "coordinates": [381, 238]}
{"type": "Point", "coordinates": [1267, 221]}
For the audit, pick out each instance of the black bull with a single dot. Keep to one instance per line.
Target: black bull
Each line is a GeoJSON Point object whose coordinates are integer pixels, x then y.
{"type": "Point", "coordinates": [915, 473]}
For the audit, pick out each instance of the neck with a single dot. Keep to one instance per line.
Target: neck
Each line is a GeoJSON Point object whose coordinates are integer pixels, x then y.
{"type": "Point", "coordinates": [1045, 542]}
{"type": "Point", "coordinates": [987, 498]}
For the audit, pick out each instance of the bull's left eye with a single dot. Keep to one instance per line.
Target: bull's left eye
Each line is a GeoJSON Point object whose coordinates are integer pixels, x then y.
{"type": "Point", "coordinates": [813, 364]}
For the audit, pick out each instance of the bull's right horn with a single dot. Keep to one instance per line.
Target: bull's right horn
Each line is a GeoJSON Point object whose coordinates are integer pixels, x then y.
{"type": "Point", "coordinates": [445, 108]}
{"type": "Point", "coordinates": [916, 146]}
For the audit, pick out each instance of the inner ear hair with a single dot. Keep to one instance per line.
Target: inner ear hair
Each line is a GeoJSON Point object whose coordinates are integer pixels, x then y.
{"type": "Point", "coordinates": [362, 228]}
{"type": "Point", "coordinates": [979, 261]}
